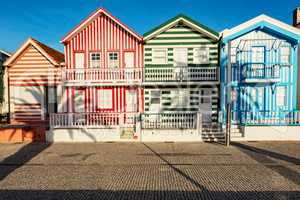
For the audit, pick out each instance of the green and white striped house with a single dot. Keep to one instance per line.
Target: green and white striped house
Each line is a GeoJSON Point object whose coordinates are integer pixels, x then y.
{"type": "Point", "coordinates": [182, 69]}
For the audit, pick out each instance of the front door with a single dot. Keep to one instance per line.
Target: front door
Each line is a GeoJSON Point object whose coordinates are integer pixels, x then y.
{"type": "Point", "coordinates": [79, 101]}
{"type": "Point", "coordinates": [131, 100]}
{"type": "Point", "coordinates": [205, 106]}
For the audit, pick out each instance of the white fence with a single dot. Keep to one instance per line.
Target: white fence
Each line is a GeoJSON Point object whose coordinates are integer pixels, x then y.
{"type": "Point", "coordinates": [266, 118]}
{"type": "Point", "coordinates": [187, 73]}
{"type": "Point", "coordinates": [97, 120]}
{"type": "Point", "coordinates": [102, 74]}
{"type": "Point", "coordinates": [171, 120]}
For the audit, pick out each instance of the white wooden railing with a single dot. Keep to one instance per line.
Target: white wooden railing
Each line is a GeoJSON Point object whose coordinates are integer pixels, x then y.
{"type": "Point", "coordinates": [103, 74]}
{"type": "Point", "coordinates": [174, 120]}
{"type": "Point", "coordinates": [267, 117]}
{"type": "Point", "coordinates": [97, 120]}
{"type": "Point", "coordinates": [186, 73]}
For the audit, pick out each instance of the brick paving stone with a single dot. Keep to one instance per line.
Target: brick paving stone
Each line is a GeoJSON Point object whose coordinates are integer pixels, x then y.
{"type": "Point", "coordinates": [261, 170]}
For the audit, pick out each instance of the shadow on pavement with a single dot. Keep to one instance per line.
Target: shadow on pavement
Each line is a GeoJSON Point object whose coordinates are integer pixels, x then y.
{"type": "Point", "coordinates": [266, 158]}
{"type": "Point", "coordinates": [141, 194]}
{"type": "Point", "coordinates": [21, 157]}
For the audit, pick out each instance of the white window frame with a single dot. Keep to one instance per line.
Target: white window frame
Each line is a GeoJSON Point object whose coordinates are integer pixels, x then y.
{"type": "Point", "coordinates": [181, 98]}
{"type": "Point", "coordinates": [159, 59]}
{"type": "Point", "coordinates": [201, 55]}
{"type": "Point", "coordinates": [258, 55]}
{"type": "Point", "coordinates": [105, 99]}
{"type": "Point", "coordinates": [281, 96]}
{"type": "Point", "coordinates": [155, 94]}
{"type": "Point", "coordinates": [113, 63]}
{"type": "Point", "coordinates": [76, 60]}
{"type": "Point", "coordinates": [285, 53]}
{"type": "Point", "coordinates": [95, 63]}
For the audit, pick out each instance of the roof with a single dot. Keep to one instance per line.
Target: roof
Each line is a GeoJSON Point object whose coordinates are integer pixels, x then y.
{"type": "Point", "coordinates": [54, 56]}
{"type": "Point", "coordinates": [262, 21]}
{"type": "Point", "coordinates": [186, 20]}
{"type": "Point", "coordinates": [91, 17]}
{"type": "Point", "coordinates": [5, 52]}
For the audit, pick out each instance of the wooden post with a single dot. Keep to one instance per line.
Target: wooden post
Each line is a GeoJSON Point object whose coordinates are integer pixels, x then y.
{"type": "Point", "coordinates": [228, 107]}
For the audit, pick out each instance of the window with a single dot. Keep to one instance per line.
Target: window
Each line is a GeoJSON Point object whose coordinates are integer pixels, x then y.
{"type": "Point", "coordinates": [205, 97]}
{"type": "Point", "coordinates": [201, 55]}
{"type": "Point", "coordinates": [28, 95]}
{"type": "Point", "coordinates": [79, 60]}
{"type": "Point", "coordinates": [281, 96]}
{"type": "Point", "coordinates": [155, 97]}
{"type": "Point", "coordinates": [258, 54]}
{"type": "Point", "coordinates": [159, 56]}
{"type": "Point", "coordinates": [113, 60]}
{"type": "Point", "coordinates": [181, 98]}
{"type": "Point", "coordinates": [285, 55]}
{"type": "Point", "coordinates": [95, 60]}
{"type": "Point", "coordinates": [105, 99]}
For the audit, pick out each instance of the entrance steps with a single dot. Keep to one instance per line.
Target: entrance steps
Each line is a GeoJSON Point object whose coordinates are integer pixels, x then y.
{"type": "Point", "coordinates": [236, 131]}
{"type": "Point", "coordinates": [212, 133]}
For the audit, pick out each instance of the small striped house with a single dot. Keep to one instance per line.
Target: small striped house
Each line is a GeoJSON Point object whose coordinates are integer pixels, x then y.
{"type": "Point", "coordinates": [260, 79]}
{"type": "Point", "coordinates": [101, 88]}
{"type": "Point", "coordinates": [181, 78]}
{"type": "Point", "coordinates": [34, 71]}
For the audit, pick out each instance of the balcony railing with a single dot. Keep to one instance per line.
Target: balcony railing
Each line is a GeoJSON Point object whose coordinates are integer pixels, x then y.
{"type": "Point", "coordinates": [271, 118]}
{"type": "Point", "coordinates": [97, 120]}
{"type": "Point", "coordinates": [260, 72]}
{"type": "Point", "coordinates": [103, 74]}
{"type": "Point", "coordinates": [180, 74]}
{"type": "Point", "coordinates": [171, 120]}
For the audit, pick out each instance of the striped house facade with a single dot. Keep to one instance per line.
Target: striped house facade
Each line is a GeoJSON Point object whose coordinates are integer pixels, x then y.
{"type": "Point", "coordinates": [263, 58]}
{"type": "Point", "coordinates": [33, 75]}
{"type": "Point", "coordinates": [181, 64]}
{"type": "Point", "coordinates": [103, 72]}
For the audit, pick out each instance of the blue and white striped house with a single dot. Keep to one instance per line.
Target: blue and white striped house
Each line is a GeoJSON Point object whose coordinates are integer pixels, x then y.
{"type": "Point", "coordinates": [262, 56]}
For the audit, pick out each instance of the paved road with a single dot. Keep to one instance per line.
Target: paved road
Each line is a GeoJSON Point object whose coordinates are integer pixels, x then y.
{"type": "Point", "coordinates": [150, 171]}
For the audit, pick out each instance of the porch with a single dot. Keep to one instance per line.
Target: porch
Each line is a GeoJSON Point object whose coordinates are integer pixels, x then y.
{"type": "Point", "coordinates": [252, 72]}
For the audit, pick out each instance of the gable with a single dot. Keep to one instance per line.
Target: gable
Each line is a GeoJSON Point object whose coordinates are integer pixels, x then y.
{"type": "Point", "coordinates": [180, 34]}
{"type": "Point", "coordinates": [31, 56]}
{"type": "Point", "coordinates": [182, 20]}
{"type": "Point", "coordinates": [263, 22]}
{"type": "Point", "coordinates": [91, 19]}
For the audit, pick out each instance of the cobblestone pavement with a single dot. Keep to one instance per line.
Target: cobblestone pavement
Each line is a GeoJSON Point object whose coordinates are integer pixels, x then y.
{"type": "Point", "coordinates": [260, 170]}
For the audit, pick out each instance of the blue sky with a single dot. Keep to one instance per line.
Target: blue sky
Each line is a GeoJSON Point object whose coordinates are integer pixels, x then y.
{"type": "Point", "coordinates": [49, 21]}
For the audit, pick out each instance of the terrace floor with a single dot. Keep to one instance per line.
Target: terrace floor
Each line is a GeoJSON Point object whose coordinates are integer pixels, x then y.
{"type": "Point", "coordinates": [256, 170]}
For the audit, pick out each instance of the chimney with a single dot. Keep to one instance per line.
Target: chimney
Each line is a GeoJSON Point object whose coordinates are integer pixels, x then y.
{"type": "Point", "coordinates": [296, 17]}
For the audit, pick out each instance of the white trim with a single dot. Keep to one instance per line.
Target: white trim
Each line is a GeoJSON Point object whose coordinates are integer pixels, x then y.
{"type": "Point", "coordinates": [30, 41]}
{"type": "Point", "coordinates": [260, 18]}
{"type": "Point", "coordinates": [190, 24]}
{"type": "Point", "coordinates": [4, 52]}
{"type": "Point", "coordinates": [90, 18]}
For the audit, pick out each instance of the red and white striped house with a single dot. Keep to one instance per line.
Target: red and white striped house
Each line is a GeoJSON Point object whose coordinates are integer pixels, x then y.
{"type": "Point", "coordinates": [102, 78]}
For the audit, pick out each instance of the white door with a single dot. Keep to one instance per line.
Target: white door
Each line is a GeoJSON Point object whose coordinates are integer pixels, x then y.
{"type": "Point", "coordinates": [155, 101]}
{"type": "Point", "coordinates": [180, 57]}
{"type": "Point", "coordinates": [129, 59]}
{"type": "Point", "coordinates": [79, 60]}
{"type": "Point", "coordinates": [205, 106]}
{"type": "Point", "coordinates": [79, 101]}
{"type": "Point", "coordinates": [131, 100]}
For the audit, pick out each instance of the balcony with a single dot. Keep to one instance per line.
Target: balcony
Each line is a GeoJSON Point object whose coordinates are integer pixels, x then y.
{"type": "Point", "coordinates": [105, 76]}
{"type": "Point", "coordinates": [254, 73]}
{"type": "Point", "coordinates": [163, 74]}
